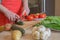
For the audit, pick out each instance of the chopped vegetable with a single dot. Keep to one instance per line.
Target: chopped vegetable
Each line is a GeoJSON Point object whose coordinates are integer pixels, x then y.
{"type": "Point", "coordinates": [2, 28]}
{"type": "Point", "coordinates": [8, 27]}
{"type": "Point", "coordinates": [14, 27]}
{"type": "Point", "coordinates": [16, 35]}
{"type": "Point", "coordinates": [19, 23]}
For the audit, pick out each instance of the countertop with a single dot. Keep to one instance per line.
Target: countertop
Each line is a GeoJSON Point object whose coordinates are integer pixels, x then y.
{"type": "Point", "coordinates": [6, 35]}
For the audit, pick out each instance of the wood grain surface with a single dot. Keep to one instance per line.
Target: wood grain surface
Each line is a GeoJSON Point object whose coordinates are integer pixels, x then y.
{"type": "Point", "coordinates": [6, 35]}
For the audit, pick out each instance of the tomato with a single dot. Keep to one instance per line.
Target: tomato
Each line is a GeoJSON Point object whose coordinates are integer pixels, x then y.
{"type": "Point", "coordinates": [32, 15]}
{"type": "Point", "coordinates": [36, 16]}
{"type": "Point", "coordinates": [29, 18]}
{"type": "Point", "coordinates": [42, 15]}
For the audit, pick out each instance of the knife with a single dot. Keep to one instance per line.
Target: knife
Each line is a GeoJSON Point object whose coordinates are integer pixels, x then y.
{"type": "Point", "coordinates": [19, 22]}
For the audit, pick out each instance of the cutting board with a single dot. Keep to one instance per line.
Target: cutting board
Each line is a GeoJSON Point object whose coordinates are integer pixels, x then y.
{"type": "Point", "coordinates": [6, 35]}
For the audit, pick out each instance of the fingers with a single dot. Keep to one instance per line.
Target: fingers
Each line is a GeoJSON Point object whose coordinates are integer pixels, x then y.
{"type": "Point", "coordinates": [14, 17]}
{"type": "Point", "coordinates": [11, 18]}
{"type": "Point", "coordinates": [27, 11]}
{"type": "Point", "coordinates": [17, 17]}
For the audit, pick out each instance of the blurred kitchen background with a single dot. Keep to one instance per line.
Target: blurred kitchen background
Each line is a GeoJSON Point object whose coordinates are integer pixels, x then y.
{"type": "Point", "coordinates": [50, 7]}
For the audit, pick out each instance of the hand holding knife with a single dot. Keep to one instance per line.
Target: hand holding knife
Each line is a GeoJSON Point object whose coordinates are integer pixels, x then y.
{"type": "Point", "coordinates": [19, 22]}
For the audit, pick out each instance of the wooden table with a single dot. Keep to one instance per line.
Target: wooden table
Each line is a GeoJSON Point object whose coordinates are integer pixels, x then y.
{"type": "Point", "coordinates": [55, 36]}
{"type": "Point", "coordinates": [6, 35]}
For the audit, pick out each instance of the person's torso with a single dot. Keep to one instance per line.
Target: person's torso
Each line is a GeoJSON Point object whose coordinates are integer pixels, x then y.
{"type": "Point", "coordinates": [12, 5]}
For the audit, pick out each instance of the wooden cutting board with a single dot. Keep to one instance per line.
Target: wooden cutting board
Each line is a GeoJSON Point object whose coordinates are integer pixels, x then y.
{"type": "Point", "coordinates": [6, 35]}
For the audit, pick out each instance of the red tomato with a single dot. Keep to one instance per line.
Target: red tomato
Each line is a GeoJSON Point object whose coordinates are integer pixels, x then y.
{"type": "Point", "coordinates": [32, 15]}
{"type": "Point", "coordinates": [42, 15]}
{"type": "Point", "coordinates": [29, 18]}
{"type": "Point", "coordinates": [36, 16]}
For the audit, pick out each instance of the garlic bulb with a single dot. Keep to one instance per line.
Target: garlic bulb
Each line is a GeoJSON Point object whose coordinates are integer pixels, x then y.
{"type": "Point", "coordinates": [45, 35]}
{"type": "Point", "coordinates": [41, 28]}
{"type": "Point", "coordinates": [49, 32]}
{"type": "Point", "coordinates": [41, 33]}
{"type": "Point", "coordinates": [36, 35]}
{"type": "Point", "coordinates": [34, 29]}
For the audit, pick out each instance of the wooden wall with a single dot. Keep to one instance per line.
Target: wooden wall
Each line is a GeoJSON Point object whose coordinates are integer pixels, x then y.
{"type": "Point", "coordinates": [57, 7]}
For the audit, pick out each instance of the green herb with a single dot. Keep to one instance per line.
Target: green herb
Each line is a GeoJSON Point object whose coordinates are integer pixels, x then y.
{"type": "Point", "coordinates": [52, 22]}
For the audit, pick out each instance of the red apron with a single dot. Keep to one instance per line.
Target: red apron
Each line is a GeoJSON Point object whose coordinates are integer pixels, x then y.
{"type": "Point", "coordinates": [12, 5]}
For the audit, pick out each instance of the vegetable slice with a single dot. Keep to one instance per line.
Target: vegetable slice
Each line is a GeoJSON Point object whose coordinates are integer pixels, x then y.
{"type": "Point", "coordinates": [16, 35]}
{"type": "Point", "coordinates": [14, 27]}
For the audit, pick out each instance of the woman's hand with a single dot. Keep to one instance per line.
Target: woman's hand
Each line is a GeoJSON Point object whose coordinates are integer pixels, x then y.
{"type": "Point", "coordinates": [26, 7]}
{"type": "Point", "coordinates": [12, 16]}
{"type": "Point", "coordinates": [9, 14]}
{"type": "Point", "coordinates": [27, 11]}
